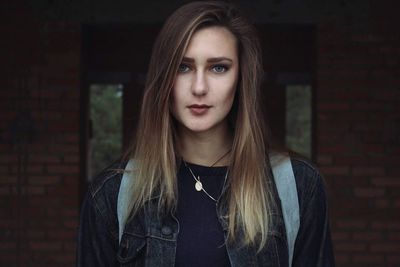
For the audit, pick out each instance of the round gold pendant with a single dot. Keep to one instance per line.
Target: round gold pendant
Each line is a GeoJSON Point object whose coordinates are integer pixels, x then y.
{"type": "Point", "coordinates": [198, 186]}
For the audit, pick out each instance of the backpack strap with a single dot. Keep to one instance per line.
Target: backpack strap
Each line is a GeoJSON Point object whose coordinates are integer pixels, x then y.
{"type": "Point", "coordinates": [287, 190]}
{"type": "Point", "coordinates": [123, 197]}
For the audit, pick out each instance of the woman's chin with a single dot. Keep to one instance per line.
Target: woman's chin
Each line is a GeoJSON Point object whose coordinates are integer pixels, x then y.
{"type": "Point", "coordinates": [202, 128]}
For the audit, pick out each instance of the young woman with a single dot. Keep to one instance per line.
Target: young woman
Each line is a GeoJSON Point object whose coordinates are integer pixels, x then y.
{"type": "Point", "coordinates": [201, 191]}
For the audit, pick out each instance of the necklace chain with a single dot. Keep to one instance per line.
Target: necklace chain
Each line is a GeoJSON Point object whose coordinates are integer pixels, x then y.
{"type": "Point", "coordinates": [199, 185]}
{"type": "Point", "coordinates": [219, 159]}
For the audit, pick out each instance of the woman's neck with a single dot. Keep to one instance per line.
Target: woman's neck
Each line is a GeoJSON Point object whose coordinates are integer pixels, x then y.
{"type": "Point", "coordinates": [207, 148]}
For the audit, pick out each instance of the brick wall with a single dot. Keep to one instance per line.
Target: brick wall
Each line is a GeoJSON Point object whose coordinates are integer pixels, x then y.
{"type": "Point", "coordinates": [39, 139]}
{"type": "Point", "coordinates": [358, 122]}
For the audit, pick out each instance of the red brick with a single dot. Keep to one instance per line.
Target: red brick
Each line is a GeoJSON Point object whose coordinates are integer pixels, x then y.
{"type": "Point", "coordinates": [341, 258]}
{"type": "Point", "coordinates": [5, 147]}
{"type": "Point", "coordinates": [387, 95]}
{"type": "Point", "coordinates": [46, 116]}
{"type": "Point", "coordinates": [351, 224]}
{"type": "Point", "coordinates": [63, 169]}
{"type": "Point", "coordinates": [72, 181]}
{"type": "Point", "coordinates": [71, 159]}
{"type": "Point", "coordinates": [61, 234]}
{"type": "Point", "coordinates": [393, 259]}
{"type": "Point", "coordinates": [44, 180]}
{"type": "Point", "coordinates": [382, 203]}
{"type": "Point", "coordinates": [392, 171]}
{"type": "Point", "coordinates": [71, 138]}
{"type": "Point", "coordinates": [368, 126]}
{"type": "Point", "coordinates": [382, 225]}
{"type": "Point", "coordinates": [385, 247]}
{"type": "Point", "coordinates": [70, 246]}
{"type": "Point", "coordinates": [35, 234]}
{"type": "Point", "coordinates": [32, 169]}
{"type": "Point", "coordinates": [351, 247]}
{"type": "Point", "coordinates": [35, 190]}
{"type": "Point", "coordinates": [64, 149]}
{"type": "Point", "coordinates": [340, 236]}
{"type": "Point", "coordinates": [40, 201]}
{"type": "Point", "coordinates": [46, 94]}
{"type": "Point", "coordinates": [45, 159]}
{"type": "Point", "coordinates": [8, 179]}
{"type": "Point", "coordinates": [8, 224]}
{"type": "Point", "coordinates": [64, 126]}
{"type": "Point", "coordinates": [71, 202]}
{"type": "Point", "coordinates": [367, 171]}
{"type": "Point", "coordinates": [65, 106]}
{"type": "Point", "coordinates": [4, 190]}
{"type": "Point", "coordinates": [368, 258]}
{"type": "Point", "coordinates": [335, 170]}
{"type": "Point", "coordinates": [327, 106]}
{"type": "Point", "coordinates": [9, 158]}
{"type": "Point", "coordinates": [371, 137]}
{"type": "Point", "coordinates": [71, 212]}
{"type": "Point", "coordinates": [367, 38]}
{"type": "Point", "coordinates": [386, 181]}
{"type": "Point", "coordinates": [369, 192]}
{"type": "Point", "coordinates": [394, 236]}
{"type": "Point", "coordinates": [8, 258]}
{"type": "Point", "coordinates": [324, 159]}
{"type": "Point", "coordinates": [8, 245]}
{"type": "Point", "coordinates": [385, 160]}
{"type": "Point", "coordinates": [349, 160]}
{"type": "Point", "coordinates": [373, 148]}
{"type": "Point", "coordinates": [63, 258]}
{"type": "Point", "coordinates": [45, 246]}
{"type": "Point", "coordinates": [72, 116]}
{"type": "Point", "coordinates": [42, 147]}
{"type": "Point", "coordinates": [364, 236]}
{"type": "Point", "coordinates": [72, 224]}
{"type": "Point", "coordinates": [3, 169]}
{"type": "Point", "coordinates": [337, 149]}
{"type": "Point", "coordinates": [62, 190]}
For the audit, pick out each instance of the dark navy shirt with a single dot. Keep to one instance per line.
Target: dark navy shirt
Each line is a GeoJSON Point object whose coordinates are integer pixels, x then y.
{"type": "Point", "coordinates": [201, 238]}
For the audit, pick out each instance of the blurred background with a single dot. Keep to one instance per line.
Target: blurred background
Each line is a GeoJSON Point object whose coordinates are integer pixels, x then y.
{"type": "Point", "coordinates": [72, 75]}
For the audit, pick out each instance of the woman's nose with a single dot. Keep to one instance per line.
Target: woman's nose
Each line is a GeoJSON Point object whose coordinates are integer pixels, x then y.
{"type": "Point", "coordinates": [199, 85]}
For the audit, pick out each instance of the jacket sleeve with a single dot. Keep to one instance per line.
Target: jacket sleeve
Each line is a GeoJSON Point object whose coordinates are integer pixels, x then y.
{"type": "Point", "coordinates": [313, 245]}
{"type": "Point", "coordinates": [95, 246]}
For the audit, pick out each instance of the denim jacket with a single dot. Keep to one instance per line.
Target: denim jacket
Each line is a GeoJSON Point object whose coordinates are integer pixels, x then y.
{"type": "Point", "coordinates": [149, 239]}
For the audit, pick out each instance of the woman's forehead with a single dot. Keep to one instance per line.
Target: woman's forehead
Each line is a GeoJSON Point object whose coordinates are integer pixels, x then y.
{"type": "Point", "coordinates": [212, 42]}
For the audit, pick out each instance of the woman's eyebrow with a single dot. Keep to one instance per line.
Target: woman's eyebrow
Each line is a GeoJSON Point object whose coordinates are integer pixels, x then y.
{"type": "Point", "coordinates": [209, 60]}
{"type": "Point", "coordinates": [188, 59]}
{"type": "Point", "coordinates": [218, 59]}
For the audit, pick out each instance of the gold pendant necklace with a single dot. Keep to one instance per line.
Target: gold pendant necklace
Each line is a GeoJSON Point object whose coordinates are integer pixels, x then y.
{"type": "Point", "coordinates": [199, 186]}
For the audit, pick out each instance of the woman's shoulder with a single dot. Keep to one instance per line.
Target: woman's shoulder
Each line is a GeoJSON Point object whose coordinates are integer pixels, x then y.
{"type": "Point", "coordinates": [103, 191]}
{"type": "Point", "coordinates": [108, 180]}
{"type": "Point", "coordinates": [100, 204]}
{"type": "Point", "coordinates": [310, 183]}
{"type": "Point", "coordinates": [305, 171]}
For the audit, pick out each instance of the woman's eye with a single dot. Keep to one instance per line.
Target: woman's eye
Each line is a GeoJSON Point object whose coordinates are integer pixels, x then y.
{"type": "Point", "coordinates": [219, 68]}
{"type": "Point", "coordinates": [183, 68]}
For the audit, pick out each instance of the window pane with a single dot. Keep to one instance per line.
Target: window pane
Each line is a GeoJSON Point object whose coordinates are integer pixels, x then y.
{"type": "Point", "coordinates": [298, 119]}
{"type": "Point", "coordinates": [106, 125]}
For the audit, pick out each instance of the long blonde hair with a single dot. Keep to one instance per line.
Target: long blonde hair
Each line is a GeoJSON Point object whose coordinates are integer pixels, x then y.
{"type": "Point", "coordinates": [248, 196]}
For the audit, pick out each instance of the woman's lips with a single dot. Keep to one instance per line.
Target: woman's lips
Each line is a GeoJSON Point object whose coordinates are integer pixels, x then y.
{"type": "Point", "coordinates": [198, 109]}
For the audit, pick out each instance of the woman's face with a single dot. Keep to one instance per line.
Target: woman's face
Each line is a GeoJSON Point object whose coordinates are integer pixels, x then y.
{"type": "Point", "coordinates": [205, 84]}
